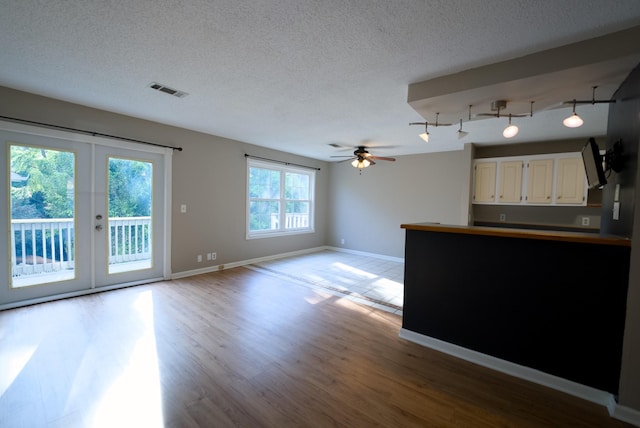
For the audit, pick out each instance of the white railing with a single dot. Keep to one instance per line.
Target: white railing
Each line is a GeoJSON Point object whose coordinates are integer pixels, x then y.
{"type": "Point", "coordinates": [41, 245]}
{"type": "Point", "coordinates": [48, 245]}
{"type": "Point", "coordinates": [129, 239]}
{"type": "Point", "coordinates": [292, 221]}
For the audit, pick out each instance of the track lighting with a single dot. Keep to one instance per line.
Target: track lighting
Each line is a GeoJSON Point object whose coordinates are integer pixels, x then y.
{"type": "Point", "coordinates": [511, 130]}
{"type": "Point", "coordinates": [574, 120]}
{"type": "Point", "coordinates": [461, 133]}
{"type": "Point", "coordinates": [425, 134]}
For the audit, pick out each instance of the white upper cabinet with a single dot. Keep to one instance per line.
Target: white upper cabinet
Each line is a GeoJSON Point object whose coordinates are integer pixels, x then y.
{"type": "Point", "coordinates": [570, 181]}
{"type": "Point", "coordinates": [554, 179]}
{"type": "Point", "coordinates": [539, 181]}
{"type": "Point", "coordinates": [484, 189]}
{"type": "Point", "coordinates": [510, 182]}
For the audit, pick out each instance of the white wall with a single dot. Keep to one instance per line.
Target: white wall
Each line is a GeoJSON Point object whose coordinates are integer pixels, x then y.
{"type": "Point", "coordinates": [366, 210]}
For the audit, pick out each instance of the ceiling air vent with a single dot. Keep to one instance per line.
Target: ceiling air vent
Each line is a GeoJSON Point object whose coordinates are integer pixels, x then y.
{"type": "Point", "coordinates": [167, 90]}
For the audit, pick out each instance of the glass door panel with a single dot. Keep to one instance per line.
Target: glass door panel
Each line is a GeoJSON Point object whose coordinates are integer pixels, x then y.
{"type": "Point", "coordinates": [130, 202]}
{"type": "Point", "coordinates": [42, 215]}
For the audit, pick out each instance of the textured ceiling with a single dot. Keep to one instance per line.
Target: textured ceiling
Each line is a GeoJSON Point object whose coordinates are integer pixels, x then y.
{"type": "Point", "coordinates": [288, 74]}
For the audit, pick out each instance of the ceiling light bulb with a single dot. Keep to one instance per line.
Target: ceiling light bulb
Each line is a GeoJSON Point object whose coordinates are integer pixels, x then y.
{"type": "Point", "coordinates": [425, 137]}
{"type": "Point", "coordinates": [573, 121]}
{"type": "Point", "coordinates": [510, 131]}
{"type": "Point", "coordinates": [360, 163]}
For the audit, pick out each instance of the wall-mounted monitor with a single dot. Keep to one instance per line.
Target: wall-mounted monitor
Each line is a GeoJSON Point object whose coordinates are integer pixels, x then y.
{"type": "Point", "coordinates": [593, 165]}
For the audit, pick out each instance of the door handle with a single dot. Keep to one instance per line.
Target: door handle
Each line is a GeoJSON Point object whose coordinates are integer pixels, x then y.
{"type": "Point", "coordinates": [98, 227]}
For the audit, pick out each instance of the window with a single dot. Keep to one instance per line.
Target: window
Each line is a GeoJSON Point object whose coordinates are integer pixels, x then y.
{"type": "Point", "coordinates": [279, 199]}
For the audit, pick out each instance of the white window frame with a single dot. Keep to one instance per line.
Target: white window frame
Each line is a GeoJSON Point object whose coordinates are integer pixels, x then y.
{"type": "Point", "coordinates": [282, 169]}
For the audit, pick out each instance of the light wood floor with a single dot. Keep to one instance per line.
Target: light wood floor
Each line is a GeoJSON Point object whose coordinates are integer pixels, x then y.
{"type": "Point", "coordinates": [241, 348]}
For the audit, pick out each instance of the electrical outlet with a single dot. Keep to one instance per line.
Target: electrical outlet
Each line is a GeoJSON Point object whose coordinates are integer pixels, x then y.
{"type": "Point", "coordinates": [586, 221]}
{"type": "Point", "coordinates": [213, 256]}
{"type": "Point", "coordinates": [199, 258]}
{"type": "Point", "coordinates": [342, 241]}
{"type": "Point", "coordinates": [503, 217]}
{"type": "Point", "coordinates": [183, 208]}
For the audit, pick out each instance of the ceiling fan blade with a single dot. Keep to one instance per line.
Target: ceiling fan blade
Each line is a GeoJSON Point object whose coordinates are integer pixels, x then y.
{"type": "Point", "coordinates": [347, 160]}
{"type": "Point", "coordinates": [347, 156]}
{"type": "Point", "coordinates": [381, 158]}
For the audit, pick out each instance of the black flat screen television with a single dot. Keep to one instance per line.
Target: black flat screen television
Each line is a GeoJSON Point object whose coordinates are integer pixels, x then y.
{"type": "Point", "coordinates": [593, 165]}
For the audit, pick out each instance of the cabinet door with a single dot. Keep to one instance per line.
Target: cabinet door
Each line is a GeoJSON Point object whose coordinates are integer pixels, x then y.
{"type": "Point", "coordinates": [539, 181]}
{"type": "Point", "coordinates": [510, 187]}
{"type": "Point", "coordinates": [485, 182]}
{"type": "Point", "coordinates": [570, 184]}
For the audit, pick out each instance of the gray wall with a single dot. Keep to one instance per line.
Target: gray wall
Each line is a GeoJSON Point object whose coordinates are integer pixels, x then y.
{"type": "Point", "coordinates": [366, 210]}
{"type": "Point", "coordinates": [624, 124]}
{"type": "Point", "coordinates": [209, 176]}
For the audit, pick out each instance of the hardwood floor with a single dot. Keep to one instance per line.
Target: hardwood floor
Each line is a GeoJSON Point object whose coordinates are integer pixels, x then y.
{"type": "Point", "coordinates": [241, 348]}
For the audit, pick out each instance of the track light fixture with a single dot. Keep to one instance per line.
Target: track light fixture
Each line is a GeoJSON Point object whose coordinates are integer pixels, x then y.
{"type": "Point", "coordinates": [574, 121]}
{"type": "Point", "coordinates": [461, 133]}
{"type": "Point", "coordinates": [425, 134]}
{"type": "Point", "coordinates": [511, 130]}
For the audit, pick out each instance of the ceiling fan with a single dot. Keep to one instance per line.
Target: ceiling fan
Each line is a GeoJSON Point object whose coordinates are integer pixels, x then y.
{"type": "Point", "coordinates": [362, 158]}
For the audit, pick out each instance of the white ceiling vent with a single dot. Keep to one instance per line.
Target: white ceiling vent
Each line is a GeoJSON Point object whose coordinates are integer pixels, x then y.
{"type": "Point", "coordinates": [167, 90]}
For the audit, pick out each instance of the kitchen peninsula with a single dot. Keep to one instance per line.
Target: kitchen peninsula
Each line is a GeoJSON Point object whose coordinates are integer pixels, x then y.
{"type": "Point", "coordinates": [546, 300]}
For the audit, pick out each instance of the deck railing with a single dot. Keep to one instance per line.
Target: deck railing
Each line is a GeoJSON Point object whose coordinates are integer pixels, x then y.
{"type": "Point", "coordinates": [292, 221]}
{"type": "Point", "coordinates": [48, 245]}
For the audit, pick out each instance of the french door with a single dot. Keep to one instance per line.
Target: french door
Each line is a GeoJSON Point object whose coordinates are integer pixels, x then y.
{"type": "Point", "coordinates": [82, 214]}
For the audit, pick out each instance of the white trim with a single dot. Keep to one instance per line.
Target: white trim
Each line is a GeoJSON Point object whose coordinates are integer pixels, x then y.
{"type": "Point", "coordinates": [573, 388]}
{"type": "Point", "coordinates": [626, 414]}
{"type": "Point", "coordinates": [53, 297]}
{"type": "Point", "coordinates": [168, 173]}
{"type": "Point", "coordinates": [364, 253]}
{"type": "Point", "coordinates": [193, 272]}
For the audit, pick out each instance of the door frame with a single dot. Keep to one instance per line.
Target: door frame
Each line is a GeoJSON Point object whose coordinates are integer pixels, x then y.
{"type": "Point", "coordinates": [92, 141]}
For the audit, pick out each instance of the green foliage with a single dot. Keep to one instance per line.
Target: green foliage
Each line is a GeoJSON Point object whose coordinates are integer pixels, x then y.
{"type": "Point", "coordinates": [129, 188]}
{"type": "Point", "coordinates": [48, 192]}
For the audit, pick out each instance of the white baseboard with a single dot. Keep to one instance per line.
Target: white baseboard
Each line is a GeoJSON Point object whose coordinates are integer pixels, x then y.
{"type": "Point", "coordinates": [626, 414]}
{"type": "Point", "coordinates": [364, 253]}
{"type": "Point", "coordinates": [578, 390]}
{"type": "Point", "coordinates": [215, 268]}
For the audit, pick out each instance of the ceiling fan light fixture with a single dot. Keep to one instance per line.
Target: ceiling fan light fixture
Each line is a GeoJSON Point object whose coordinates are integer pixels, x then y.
{"type": "Point", "coordinates": [360, 163]}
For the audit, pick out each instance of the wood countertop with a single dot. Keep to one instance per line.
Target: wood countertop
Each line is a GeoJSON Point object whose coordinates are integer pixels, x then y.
{"type": "Point", "coordinates": [547, 235]}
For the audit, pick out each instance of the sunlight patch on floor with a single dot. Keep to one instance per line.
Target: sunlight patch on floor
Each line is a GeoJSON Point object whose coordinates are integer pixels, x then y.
{"type": "Point", "coordinates": [135, 397]}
